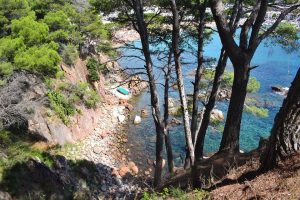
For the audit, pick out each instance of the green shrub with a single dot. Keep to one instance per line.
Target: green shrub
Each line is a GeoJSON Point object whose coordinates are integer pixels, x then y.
{"type": "Point", "coordinates": [260, 112]}
{"type": "Point", "coordinates": [178, 112]}
{"type": "Point", "coordinates": [90, 97]}
{"type": "Point", "coordinates": [9, 47]}
{"type": "Point", "coordinates": [57, 20]}
{"type": "Point", "coordinates": [208, 74]}
{"type": "Point", "coordinates": [63, 86]}
{"type": "Point", "coordinates": [227, 79]}
{"type": "Point", "coordinates": [92, 66]}
{"type": "Point", "coordinates": [214, 122]}
{"type": "Point", "coordinates": [62, 106]}
{"type": "Point", "coordinates": [59, 36]}
{"type": "Point", "coordinates": [253, 85]}
{"type": "Point", "coordinates": [60, 74]}
{"type": "Point", "coordinates": [2, 83]}
{"type": "Point", "coordinates": [107, 49]}
{"type": "Point", "coordinates": [69, 54]}
{"type": "Point", "coordinates": [6, 69]}
{"type": "Point", "coordinates": [43, 59]}
{"type": "Point", "coordinates": [33, 32]}
{"type": "Point", "coordinates": [50, 83]}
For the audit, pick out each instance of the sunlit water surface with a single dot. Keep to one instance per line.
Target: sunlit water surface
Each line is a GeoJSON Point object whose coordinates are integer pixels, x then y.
{"type": "Point", "coordinates": [276, 67]}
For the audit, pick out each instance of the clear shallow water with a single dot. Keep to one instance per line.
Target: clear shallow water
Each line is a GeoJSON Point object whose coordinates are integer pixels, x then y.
{"type": "Point", "coordinates": [276, 67]}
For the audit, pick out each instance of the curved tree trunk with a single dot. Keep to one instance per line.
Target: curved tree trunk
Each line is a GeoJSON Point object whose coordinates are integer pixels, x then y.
{"type": "Point", "coordinates": [231, 135]}
{"type": "Point", "coordinates": [285, 135]}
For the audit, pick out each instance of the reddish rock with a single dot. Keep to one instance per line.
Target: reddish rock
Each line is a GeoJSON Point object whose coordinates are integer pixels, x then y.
{"type": "Point", "coordinates": [123, 102]}
{"type": "Point", "coordinates": [103, 135]}
{"type": "Point", "coordinates": [131, 165]}
{"type": "Point", "coordinates": [129, 107]}
{"type": "Point", "coordinates": [115, 172]}
{"type": "Point", "coordinates": [123, 171]}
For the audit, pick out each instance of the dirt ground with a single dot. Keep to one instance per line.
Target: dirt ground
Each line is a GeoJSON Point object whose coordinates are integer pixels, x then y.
{"type": "Point", "coordinates": [244, 183]}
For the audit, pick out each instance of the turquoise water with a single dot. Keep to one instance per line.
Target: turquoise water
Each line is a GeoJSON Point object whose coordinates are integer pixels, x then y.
{"type": "Point", "coordinates": [276, 67]}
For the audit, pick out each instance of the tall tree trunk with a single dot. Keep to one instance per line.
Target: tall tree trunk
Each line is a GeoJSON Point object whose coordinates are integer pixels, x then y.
{"type": "Point", "coordinates": [233, 24]}
{"type": "Point", "coordinates": [166, 115]}
{"type": "Point", "coordinates": [231, 135]}
{"type": "Point", "coordinates": [199, 146]}
{"type": "Point", "coordinates": [285, 135]}
{"type": "Point", "coordinates": [210, 104]}
{"type": "Point", "coordinates": [184, 105]}
{"type": "Point", "coordinates": [198, 75]}
{"type": "Point", "coordinates": [159, 126]}
{"type": "Point", "coordinates": [199, 71]}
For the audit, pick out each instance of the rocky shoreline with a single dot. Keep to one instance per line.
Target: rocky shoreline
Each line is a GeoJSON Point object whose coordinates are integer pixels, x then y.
{"type": "Point", "coordinates": [106, 148]}
{"type": "Point", "coordinates": [95, 137]}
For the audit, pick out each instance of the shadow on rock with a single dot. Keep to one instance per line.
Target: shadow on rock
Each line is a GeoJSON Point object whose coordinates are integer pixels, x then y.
{"type": "Point", "coordinates": [66, 179]}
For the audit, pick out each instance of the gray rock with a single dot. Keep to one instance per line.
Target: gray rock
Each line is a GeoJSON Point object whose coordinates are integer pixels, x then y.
{"type": "Point", "coordinates": [104, 188]}
{"type": "Point", "coordinates": [5, 196]}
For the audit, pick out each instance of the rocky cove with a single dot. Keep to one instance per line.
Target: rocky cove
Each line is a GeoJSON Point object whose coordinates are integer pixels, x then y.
{"type": "Point", "coordinates": [253, 127]}
{"type": "Point", "coordinates": [96, 137]}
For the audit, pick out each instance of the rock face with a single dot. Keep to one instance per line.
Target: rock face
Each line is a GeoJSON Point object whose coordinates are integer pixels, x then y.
{"type": "Point", "coordinates": [25, 105]}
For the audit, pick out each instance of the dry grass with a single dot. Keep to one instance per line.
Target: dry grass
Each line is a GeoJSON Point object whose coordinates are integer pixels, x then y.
{"type": "Point", "coordinates": [280, 183]}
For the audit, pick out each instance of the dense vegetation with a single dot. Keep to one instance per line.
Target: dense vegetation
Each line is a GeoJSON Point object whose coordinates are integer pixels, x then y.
{"type": "Point", "coordinates": [38, 36]}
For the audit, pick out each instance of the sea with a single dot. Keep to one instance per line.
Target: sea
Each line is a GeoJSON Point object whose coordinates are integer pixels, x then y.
{"type": "Point", "coordinates": [276, 67]}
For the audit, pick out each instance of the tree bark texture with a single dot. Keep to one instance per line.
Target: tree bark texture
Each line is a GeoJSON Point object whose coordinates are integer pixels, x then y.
{"type": "Point", "coordinates": [182, 94]}
{"type": "Point", "coordinates": [166, 115]}
{"type": "Point", "coordinates": [231, 134]}
{"type": "Point", "coordinates": [159, 126]}
{"type": "Point", "coordinates": [285, 135]}
{"type": "Point", "coordinates": [210, 104]}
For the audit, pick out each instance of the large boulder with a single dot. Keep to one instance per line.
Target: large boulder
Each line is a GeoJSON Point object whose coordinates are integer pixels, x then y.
{"type": "Point", "coordinates": [217, 115]}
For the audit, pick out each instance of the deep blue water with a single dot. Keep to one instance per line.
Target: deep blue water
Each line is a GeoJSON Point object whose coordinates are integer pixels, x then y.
{"type": "Point", "coordinates": [276, 67]}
